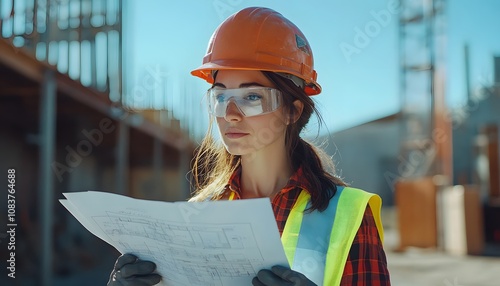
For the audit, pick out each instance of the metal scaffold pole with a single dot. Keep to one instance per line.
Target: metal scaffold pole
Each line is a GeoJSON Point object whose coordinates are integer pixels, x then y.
{"type": "Point", "coordinates": [122, 158]}
{"type": "Point", "coordinates": [422, 35]}
{"type": "Point", "coordinates": [47, 147]}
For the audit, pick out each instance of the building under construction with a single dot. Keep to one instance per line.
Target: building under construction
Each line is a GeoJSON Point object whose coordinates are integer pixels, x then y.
{"type": "Point", "coordinates": [67, 126]}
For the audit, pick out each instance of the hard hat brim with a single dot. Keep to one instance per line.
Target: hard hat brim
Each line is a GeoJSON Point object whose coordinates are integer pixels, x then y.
{"type": "Point", "coordinates": [205, 71]}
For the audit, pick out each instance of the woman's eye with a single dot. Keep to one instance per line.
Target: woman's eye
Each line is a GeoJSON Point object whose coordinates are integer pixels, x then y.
{"type": "Point", "coordinates": [220, 97]}
{"type": "Point", "coordinates": [253, 97]}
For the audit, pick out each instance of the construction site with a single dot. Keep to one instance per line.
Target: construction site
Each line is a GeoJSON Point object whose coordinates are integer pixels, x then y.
{"type": "Point", "coordinates": [68, 123]}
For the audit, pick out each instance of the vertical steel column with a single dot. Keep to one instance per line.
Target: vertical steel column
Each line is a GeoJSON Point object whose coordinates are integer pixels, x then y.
{"type": "Point", "coordinates": [157, 159]}
{"type": "Point", "coordinates": [122, 158]}
{"type": "Point", "coordinates": [1, 22]}
{"type": "Point", "coordinates": [46, 198]}
{"type": "Point", "coordinates": [120, 68]}
{"type": "Point", "coordinates": [157, 191]}
{"type": "Point", "coordinates": [496, 71]}
{"type": "Point", "coordinates": [467, 73]}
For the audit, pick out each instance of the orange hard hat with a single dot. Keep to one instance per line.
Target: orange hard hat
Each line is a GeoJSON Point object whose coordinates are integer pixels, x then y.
{"type": "Point", "coordinates": [260, 39]}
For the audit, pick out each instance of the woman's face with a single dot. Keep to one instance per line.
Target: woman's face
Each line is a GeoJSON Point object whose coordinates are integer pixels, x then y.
{"type": "Point", "coordinates": [245, 135]}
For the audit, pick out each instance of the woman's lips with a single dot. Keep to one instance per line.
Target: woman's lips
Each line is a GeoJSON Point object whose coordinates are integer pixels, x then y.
{"type": "Point", "coordinates": [234, 135]}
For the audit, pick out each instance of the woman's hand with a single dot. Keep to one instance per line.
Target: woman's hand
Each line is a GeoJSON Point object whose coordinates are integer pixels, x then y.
{"type": "Point", "coordinates": [281, 276]}
{"type": "Point", "coordinates": [130, 271]}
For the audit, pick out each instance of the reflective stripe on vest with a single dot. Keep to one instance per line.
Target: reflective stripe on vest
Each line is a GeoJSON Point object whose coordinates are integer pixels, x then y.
{"type": "Point", "coordinates": [317, 241]}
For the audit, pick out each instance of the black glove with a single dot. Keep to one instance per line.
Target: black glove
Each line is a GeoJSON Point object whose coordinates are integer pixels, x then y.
{"type": "Point", "coordinates": [130, 271]}
{"type": "Point", "coordinates": [281, 276]}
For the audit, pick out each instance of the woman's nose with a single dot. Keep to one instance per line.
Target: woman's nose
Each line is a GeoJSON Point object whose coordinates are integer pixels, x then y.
{"type": "Point", "coordinates": [232, 112]}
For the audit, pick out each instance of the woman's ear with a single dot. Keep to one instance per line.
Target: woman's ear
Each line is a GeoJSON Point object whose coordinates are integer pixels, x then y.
{"type": "Point", "coordinates": [299, 106]}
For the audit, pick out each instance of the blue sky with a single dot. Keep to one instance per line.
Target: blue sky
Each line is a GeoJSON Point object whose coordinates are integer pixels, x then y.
{"type": "Point", "coordinates": [172, 36]}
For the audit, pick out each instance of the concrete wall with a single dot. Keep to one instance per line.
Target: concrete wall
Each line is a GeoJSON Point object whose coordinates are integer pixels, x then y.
{"type": "Point", "coordinates": [366, 155]}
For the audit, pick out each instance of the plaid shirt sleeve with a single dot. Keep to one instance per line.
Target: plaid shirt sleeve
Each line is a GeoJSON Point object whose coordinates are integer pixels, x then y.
{"type": "Point", "coordinates": [366, 263]}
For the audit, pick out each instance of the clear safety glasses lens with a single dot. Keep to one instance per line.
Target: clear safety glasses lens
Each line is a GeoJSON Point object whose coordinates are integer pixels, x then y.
{"type": "Point", "coordinates": [251, 101]}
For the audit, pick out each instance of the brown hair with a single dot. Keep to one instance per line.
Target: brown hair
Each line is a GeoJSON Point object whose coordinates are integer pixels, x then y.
{"type": "Point", "coordinates": [213, 165]}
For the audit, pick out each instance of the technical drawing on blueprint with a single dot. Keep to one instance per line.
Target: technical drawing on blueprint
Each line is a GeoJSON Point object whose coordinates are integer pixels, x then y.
{"type": "Point", "coordinates": [210, 243]}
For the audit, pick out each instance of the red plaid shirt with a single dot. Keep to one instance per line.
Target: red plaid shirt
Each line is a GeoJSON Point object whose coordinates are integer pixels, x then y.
{"type": "Point", "coordinates": [366, 263]}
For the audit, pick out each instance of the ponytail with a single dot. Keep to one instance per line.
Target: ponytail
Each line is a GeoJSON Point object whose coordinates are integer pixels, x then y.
{"type": "Point", "coordinates": [319, 169]}
{"type": "Point", "coordinates": [322, 183]}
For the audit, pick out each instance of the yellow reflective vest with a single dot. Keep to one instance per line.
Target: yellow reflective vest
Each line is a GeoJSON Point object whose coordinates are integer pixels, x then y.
{"type": "Point", "coordinates": [317, 243]}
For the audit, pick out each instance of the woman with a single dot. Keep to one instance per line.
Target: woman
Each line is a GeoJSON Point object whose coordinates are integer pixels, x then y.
{"type": "Point", "coordinates": [261, 69]}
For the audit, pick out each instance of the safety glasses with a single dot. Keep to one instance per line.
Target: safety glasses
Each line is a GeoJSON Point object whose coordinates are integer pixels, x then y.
{"type": "Point", "coordinates": [251, 101]}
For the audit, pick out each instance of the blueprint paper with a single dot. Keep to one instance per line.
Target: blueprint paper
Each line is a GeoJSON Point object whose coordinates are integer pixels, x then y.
{"type": "Point", "coordinates": [206, 243]}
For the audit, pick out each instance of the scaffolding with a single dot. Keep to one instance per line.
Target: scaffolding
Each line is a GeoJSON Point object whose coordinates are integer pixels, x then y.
{"type": "Point", "coordinates": [81, 38]}
{"type": "Point", "coordinates": [61, 74]}
{"type": "Point", "coordinates": [426, 133]}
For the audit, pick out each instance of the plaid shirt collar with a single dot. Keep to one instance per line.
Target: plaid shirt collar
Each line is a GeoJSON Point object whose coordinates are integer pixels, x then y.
{"type": "Point", "coordinates": [297, 180]}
